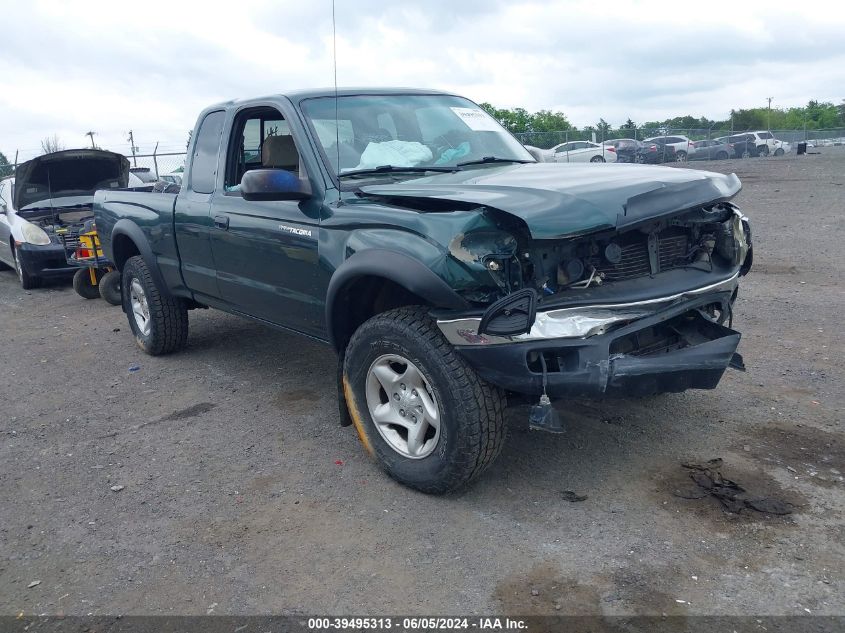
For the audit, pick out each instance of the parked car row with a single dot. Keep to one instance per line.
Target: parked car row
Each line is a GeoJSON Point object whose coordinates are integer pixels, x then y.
{"type": "Point", "coordinates": [664, 149]}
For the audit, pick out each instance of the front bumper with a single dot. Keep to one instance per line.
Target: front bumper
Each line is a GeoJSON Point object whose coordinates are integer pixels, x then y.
{"type": "Point", "coordinates": [662, 346]}
{"type": "Point", "coordinates": [49, 260]}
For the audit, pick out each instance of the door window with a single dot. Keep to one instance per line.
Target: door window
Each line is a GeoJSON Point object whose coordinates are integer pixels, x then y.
{"type": "Point", "coordinates": [261, 138]}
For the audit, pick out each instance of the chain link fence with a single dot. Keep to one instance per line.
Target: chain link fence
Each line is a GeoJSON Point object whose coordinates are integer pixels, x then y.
{"type": "Point", "coordinates": [168, 164]}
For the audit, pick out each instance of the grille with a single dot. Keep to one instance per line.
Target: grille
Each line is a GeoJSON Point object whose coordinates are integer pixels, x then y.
{"type": "Point", "coordinates": [671, 253]}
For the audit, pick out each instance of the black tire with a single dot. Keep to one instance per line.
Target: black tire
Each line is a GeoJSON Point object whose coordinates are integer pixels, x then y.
{"type": "Point", "coordinates": [763, 150]}
{"type": "Point", "coordinates": [722, 156]}
{"type": "Point", "coordinates": [681, 156]}
{"type": "Point", "coordinates": [472, 427]}
{"type": "Point", "coordinates": [597, 159]}
{"type": "Point", "coordinates": [83, 286]}
{"type": "Point", "coordinates": [168, 316]}
{"type": "Point", "coordinates": [779, 151]}
{"type": "Point", "coordinates": [110, 288]}
{"type": "Point", "coordinates": [28, 282]}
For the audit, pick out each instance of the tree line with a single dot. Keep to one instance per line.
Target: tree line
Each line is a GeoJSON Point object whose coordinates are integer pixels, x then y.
{"type": "Point", "coordinates": [816, 115]}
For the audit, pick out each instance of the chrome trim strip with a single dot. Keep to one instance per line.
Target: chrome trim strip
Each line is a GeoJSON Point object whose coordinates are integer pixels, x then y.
{"type": "Point", "coordinates": [576, 322]}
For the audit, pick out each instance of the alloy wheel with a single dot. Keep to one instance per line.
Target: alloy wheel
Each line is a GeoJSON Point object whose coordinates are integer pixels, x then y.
{"type": "Point", "coordinates": [140, 307]}
{"type": "Point", "coordinates": [403, 406]}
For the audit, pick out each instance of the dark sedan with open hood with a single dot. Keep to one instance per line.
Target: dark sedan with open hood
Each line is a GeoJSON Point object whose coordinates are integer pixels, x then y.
{"type": "Point", "coordinates": [449, 270]}
{"type": "Point", "coordinates": [48, 203]}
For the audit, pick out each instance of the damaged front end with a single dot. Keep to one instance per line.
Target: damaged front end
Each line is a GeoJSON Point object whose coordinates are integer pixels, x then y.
{"type": "Point", "coordinates": [642, 309]}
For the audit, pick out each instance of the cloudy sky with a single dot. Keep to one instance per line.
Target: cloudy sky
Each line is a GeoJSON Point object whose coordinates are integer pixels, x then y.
{"type": "Point", "coordinates": [67, 67]}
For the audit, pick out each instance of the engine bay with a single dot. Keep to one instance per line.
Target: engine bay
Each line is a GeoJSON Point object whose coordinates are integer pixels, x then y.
{"type": "Point", "coordinates": [700, 238]}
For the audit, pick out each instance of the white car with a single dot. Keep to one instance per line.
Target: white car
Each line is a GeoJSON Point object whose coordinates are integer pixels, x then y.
{"type": "Point", "coordinates": [47, 204]}
{"type": "Point", "coordinates": [682, 144]}
{"type": "Point", "coordinates": [581, 152]}
{"type": "Point", "coordinates": [768, 144]}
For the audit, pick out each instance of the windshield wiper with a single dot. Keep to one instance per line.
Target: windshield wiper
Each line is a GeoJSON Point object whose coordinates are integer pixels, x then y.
{"type": "Point", "coordinates": [393, 169]}
{"type": "Point", "coordinates": [494, 159]}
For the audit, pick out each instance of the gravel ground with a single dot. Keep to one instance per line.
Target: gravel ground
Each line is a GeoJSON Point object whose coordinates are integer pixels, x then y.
{"type": "Point", "coordinates": [240, 493]}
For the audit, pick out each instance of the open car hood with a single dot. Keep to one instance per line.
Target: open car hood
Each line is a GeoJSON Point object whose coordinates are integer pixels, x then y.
{"type": "Point", "coordinates": [73, 173]}
{"type": "Point", "coordinates": [564, 200]}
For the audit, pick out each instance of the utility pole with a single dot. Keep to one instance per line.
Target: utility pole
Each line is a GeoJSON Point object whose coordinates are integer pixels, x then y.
{"type": "Point", "coordinates": [91, 134]}
{"type": "Point", "coordinates": [134, 149]}
{"type": "Point", "coordinates": [769, 115]}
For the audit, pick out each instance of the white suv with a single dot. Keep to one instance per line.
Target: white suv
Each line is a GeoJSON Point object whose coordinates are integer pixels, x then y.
{"type": "Point", "coordinates": [683, 146]}
{"type": "Point", "coordinates": [768, 144]}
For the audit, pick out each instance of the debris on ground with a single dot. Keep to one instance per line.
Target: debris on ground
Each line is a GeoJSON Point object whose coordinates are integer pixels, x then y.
{"type": "Point", "coordinates": [709, 481]}
{"type": "Point", "coordinates": [34, 583]}
{"type": "Point", "coordinates": [116, 488]}
{"type": "Point", "coordinates": [572, 497]}
{"type": "Point", "coordinates": [134, 368]}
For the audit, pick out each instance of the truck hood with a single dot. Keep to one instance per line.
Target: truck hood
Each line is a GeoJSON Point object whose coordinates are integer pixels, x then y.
{"type": "Point", "coordinates": [565, 200]}
{"type": "Point", "coordinates": [74, 173]}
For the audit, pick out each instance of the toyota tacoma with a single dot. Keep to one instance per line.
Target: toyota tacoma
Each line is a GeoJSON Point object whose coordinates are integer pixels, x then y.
{"type": "Point", "coordinates": [450, 271]}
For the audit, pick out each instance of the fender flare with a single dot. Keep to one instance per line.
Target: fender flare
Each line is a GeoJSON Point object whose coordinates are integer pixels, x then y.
{"type": "Point", "coordinates": [401, 269]}
{"type": "Point", "coordinates": [131, 230]}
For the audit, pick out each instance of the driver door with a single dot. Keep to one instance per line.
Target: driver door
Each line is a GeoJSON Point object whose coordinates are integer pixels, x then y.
{"type": "Point", "coordinates": [265, 252]}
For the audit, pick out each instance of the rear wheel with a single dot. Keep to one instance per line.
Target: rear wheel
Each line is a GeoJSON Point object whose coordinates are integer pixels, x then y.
{"type": "Point", "coordinates": [83, 285]}
{"type": "Point", "coordinates": [159, 322]}
{"type": "Point", "coordinates": [419, 409]}
{"type": "Point", "coordinates": [28, 282]}
{"type": "Point", "coordinates": [681, 156]}
{"type": "Point", "coordinates": [746, 154]}
{"type": "Point", "coordinates": [779, 151]}
{"type": "Point", "coordinates": [763, 150]}
{"type": "Point", "coordinates": [110, 287]}
{"type": "Point", "coordinates": [597, 159]}
{"type": "Point", "coordinates": [722, 156]}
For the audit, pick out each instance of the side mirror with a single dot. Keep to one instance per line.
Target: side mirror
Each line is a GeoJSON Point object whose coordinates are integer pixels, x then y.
{"type": "Point", "coordinates": [274, 184]}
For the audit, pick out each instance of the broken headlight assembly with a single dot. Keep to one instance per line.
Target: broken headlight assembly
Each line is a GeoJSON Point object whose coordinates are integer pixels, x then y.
{"type": "Point", "coordinates": [733, 240]}
{"type": "Point", "coordinates": [495, 251]}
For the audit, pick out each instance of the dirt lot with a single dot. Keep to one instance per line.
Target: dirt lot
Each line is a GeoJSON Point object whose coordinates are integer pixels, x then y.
{"type": "Point", "coordinates": [241, 494]}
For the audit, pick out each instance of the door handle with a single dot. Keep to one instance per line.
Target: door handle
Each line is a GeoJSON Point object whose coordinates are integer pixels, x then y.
{"type": "Point", "coordinates": [221, 221]}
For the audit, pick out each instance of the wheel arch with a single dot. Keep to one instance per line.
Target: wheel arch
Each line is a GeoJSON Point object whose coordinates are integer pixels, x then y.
{"type": "Point", "coordinates": [377, 280]}
{"type": "Point", "coordinates": [128, 240]}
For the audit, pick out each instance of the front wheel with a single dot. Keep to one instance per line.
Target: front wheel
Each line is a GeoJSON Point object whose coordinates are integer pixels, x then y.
{"type": "Point", "coordinates": [419, 409]}
{"type": "Point", "coordinates": [28, 282]}
{"type": "Point", "coordinates": [597, 159]}
{"type": "Point", "coordinates": [159, 322]}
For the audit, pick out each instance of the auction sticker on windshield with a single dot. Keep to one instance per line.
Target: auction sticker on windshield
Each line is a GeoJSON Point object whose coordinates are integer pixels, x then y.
{"type": "Point", "coordinates": [477, 120]}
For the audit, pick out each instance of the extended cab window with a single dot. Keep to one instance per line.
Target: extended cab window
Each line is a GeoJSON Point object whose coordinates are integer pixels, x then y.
{"type": "Point", "coordinates": [204, 163]}
{"type": "Point", "coordinates": [261, 139]}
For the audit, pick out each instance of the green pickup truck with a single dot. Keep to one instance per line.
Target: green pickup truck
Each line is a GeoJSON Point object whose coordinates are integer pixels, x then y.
{"type": "Point", "coordinates": [451, 271]}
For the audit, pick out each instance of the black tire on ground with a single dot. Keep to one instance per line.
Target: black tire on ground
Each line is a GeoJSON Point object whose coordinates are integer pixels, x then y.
{"type": "Point", "coordinates": [28, 282]}
{"type": "Point", "coordinates": [597, 159]}
{"type": "Point", "coordinates": [110, 287]}
{"type": "Point", "coordinates": [779, 151]}
{"type": "Point", "coordinates": [681, 156]}
{"type": "Point", "coordinates": [168, 316]}
{"type": "Point", "coordinates": [83, 286]}
{"type": "Point", "coordinates": [722, 156]}
{"type": "Point", "coordinates": [763, 150]}
{"type": "Point", "coordinates": [472, 427]}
